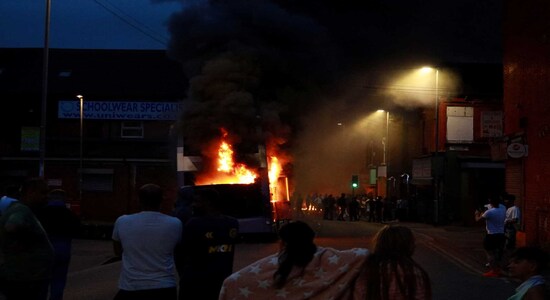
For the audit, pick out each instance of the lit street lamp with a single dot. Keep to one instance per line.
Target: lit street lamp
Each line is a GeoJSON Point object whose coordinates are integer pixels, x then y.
{"type": "Point", "coordinates": [81, 104]}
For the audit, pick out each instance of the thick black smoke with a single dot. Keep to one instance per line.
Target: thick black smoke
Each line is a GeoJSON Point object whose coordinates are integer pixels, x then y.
{"type": "Point", "coordinates": [248, 63]}
{"type": "Point", "coordinates": [294, 68]}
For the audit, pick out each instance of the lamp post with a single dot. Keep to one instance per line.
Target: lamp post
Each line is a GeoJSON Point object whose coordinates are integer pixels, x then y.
{"type": "Point", "coordinates": [385, 144]}
{"type": "Point", "coordinates": [436, 111]}
{"type": "Point", "coordinates": [81, 99]}
{"type": "Point", "coordinates": [436, 153]}
{"type": "Point", "coordinates": [44, 102]}
{"type": "Point", "coordinates": [436, 144]}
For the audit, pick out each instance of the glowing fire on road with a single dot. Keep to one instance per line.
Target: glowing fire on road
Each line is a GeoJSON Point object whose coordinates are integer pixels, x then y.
{"type": "Point", "coordinates": [227, 171]}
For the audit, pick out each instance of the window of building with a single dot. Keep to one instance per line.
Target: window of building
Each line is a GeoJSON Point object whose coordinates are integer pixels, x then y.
{"type": "Point", "coordinates": [65, 73]}
{"type": "Point", "coordinates": [131, 130]}
{"type": "Point", "coordinates": [460, 124]}
{"type": "Point", "coordinates": [97, 180]}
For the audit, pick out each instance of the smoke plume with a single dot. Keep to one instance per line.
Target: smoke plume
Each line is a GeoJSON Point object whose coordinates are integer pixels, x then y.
{"type": "Point", "coordinates": [285, 72]}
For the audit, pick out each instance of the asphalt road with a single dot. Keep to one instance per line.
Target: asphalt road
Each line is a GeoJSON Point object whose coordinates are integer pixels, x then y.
{"type": "Point", "coordinates": [90, 280]}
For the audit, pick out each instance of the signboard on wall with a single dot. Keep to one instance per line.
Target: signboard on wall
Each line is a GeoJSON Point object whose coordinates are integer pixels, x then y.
{"type": "Point", "coordinates": [422, 168]}
{"type": "Point", "coordinates": [491, 124]}
{"type": "Point", "coordinates": [516, 150]}
{"type": "Point", "coordinates": [30, 138]}
{"type": "Point", "coordinates": [119, 110]}
{"type": "Point", "coordinates": [460, 124]}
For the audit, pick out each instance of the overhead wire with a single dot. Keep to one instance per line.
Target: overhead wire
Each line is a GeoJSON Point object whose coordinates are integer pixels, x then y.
{"type": "Point", "coordinates": [133, 22]}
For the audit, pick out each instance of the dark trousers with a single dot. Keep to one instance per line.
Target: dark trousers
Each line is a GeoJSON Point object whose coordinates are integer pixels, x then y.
{"type": "Point", "coordinates": [494, 245]}
{"type": "Point", "coordinates": [156, 294]}
{"type": "Point", "coordinates": [510, 232]}
{"type": "Point", "coordinates": [62, 260]}
{"type": "Point", "coordinates": [200, 289]}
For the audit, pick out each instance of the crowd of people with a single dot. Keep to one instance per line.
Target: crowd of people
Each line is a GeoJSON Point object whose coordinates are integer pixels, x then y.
{"type": "Point", "coordinates": [36, 232]}
{"type": "Point", "coordinates": [524, 264]}
{"type": "Point", "coordinates": [348, 207]}
{"type": "Point", "coordinates": [502, 220]}
{"type": "Point", "coordinates": [197, 245]}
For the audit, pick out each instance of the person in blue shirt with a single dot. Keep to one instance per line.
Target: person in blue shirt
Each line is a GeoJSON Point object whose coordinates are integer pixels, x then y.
{"type": "Point", "coordinates": [494, 239]}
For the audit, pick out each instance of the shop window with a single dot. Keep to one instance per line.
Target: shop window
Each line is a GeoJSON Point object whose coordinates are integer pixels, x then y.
{"type": "Point", "coordinates": [97, 180]}
{"type": "Point", "coordinates": [131, 130]}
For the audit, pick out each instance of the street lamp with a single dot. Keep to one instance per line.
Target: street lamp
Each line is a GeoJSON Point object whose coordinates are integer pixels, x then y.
{"type": "Point", "coordinates": [81, 99]}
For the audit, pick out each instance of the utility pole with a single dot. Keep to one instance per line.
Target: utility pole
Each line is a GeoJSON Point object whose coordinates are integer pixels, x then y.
{"type": "Point", "coordinates": [42, 146]}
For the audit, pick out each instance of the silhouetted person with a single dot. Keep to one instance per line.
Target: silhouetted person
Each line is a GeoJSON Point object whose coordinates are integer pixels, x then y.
{"type": "Point", "coordinates": [300, 270]}
{"type": "Point", "coordinates": [146, 242]}
{"type": "Point", "coordinates": [342, 207]}
{"type": "Point", "coordinates": [353, 209]}
{"type": "Point", "coordinates": [391, 272]}
{"type": "Point", "coordinates": [328, 207]}
{"type": "Point", "coordinates": [28, 255]}
{"type": "Point", "coordinates": [205, 257]}
{"type": "Point", "coordinates": [527, 265]}
{"type": "Point", "coordinates": [61, 225]}
{"type": "Point", "coordinates": [511, 223]}
{"type": "Point", "coordinates": [11, 193]}
{"type": "Point", "coordinates": [378, 208]}
{"type": "Point", "coordinates": [494, 239]}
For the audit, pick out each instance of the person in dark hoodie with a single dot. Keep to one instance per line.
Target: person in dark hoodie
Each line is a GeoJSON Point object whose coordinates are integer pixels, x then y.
{"type": "Point", "coordinates": [206, 253]}
{"type": "Point", "coordinates": [61, 225]}
{"type": "Point", "coordinates": [28, 255]}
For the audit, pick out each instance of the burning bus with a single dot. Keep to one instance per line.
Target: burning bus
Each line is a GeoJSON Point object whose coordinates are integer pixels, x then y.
{"type": "Point", "coordinates": [257, 196]}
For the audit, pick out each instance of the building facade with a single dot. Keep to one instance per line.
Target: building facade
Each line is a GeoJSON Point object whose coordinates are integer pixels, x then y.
{"type": "Point", "coordinates": [458, 170]}
{"type": "Point", "coordinates": [526, 110]}
{"type": "Point", "coordinates": [123, 138]}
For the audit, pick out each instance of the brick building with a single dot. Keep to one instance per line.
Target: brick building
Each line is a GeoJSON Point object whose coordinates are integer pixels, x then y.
{"type": "Point", "coordinates": [526, 110]}
{"type": "Point", "coordinates": [121, 148]}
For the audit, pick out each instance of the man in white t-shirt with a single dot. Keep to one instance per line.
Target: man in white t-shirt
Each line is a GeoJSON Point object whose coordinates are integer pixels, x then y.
{"type": "Point", "coordinates": [511, 224]}
{"type": "Point", "coordinates": [494, 240]}
{"type": "Point", "coordinates": [146, 242]}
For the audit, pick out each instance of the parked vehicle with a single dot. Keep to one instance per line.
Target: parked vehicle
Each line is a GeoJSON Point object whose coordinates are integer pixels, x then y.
{"type": "Point", "coordinates": [245, 202]}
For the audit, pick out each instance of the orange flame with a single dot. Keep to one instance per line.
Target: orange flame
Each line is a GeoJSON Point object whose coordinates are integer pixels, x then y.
{"type": "Point", "coordinates": [274, 170]}
{"type": "Point", "coordinates": [228, 172]}
{"type": "Point", "coordinates": [225, 158]}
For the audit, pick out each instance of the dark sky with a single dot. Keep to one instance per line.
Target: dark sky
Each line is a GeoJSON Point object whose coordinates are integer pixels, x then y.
{"type": "Point", "coordinates": [86, 24]}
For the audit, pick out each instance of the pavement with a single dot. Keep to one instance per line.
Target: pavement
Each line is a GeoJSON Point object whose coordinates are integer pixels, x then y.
{"type": "Point", "coordinates": [460, 244]}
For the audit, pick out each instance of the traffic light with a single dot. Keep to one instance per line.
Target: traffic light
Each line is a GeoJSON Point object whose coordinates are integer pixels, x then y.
{"type": "Point", "coordinates": [354, 181]}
